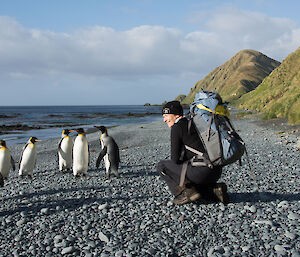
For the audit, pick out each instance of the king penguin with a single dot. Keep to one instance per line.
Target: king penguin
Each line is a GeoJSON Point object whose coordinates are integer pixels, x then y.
{"type": "Point", "coordinates": [65, 148]}
{"type": "Point", "coordinates": [28, 157]}
{"type": "Point", "coordinates": [110, 153]}
{"type": "Point", "coordinates": [6, 160]}
{"type": "Point", "coordinates": [80, 154]}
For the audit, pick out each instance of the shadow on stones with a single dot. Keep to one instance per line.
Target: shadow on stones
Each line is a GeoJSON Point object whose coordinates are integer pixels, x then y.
{"type": "Point", "coordinates": [254, 197]}
{"type": "Point", "coordinates": [65, 204]}
{"type": "Point", "coordinates": [52, 192]}
{"type": "Point", "coordinates": [135, 174]}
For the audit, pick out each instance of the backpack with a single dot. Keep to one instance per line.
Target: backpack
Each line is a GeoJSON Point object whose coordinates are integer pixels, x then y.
{"type": "Point", "coordinates": [222, 143]}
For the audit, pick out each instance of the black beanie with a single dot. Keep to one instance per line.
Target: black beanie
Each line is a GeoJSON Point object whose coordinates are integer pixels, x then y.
{"type": "Point", "coordinates": [173, 107]}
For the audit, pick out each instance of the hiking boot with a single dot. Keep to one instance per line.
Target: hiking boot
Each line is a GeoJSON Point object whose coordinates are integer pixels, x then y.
{"type": "Point", "coordinates": [187, 195]}
{"type": "Point", "coordinates": [220, 191]}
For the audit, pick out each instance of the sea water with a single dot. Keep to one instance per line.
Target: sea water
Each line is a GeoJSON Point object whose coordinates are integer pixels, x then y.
{"type": "Point", "coordinates": [54, 119]}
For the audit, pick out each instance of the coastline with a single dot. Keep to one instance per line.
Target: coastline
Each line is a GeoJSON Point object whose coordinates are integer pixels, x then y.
{"type": "Point", "coordinates": [133, 216]}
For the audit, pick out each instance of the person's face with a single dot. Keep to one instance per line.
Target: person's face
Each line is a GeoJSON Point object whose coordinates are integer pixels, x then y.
{"type": "Point", "coordinates": [170, 119]}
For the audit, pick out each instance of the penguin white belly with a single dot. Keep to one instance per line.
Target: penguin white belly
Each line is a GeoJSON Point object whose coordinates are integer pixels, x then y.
{"type": "Point", "coordinates": [106, 159]}
{"type": "Point", "coordinates": [65, 154]}
{"type": "Point", "coordinates": [80, 156]}
{"type": "Point", "coordinates": [5, 164]}
{"type": "Point", "coordinates": [107, 163]}
{"type": "Point", "coordinates": [28, 160]}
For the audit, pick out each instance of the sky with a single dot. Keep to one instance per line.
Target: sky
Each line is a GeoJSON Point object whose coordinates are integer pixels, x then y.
{"type": "Point", "coordinates": [112, 52]}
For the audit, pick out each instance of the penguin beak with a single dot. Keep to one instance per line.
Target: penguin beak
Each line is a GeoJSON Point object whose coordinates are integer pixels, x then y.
{"type": "Point", "coordinates": [38, 140]}
{"type": "Point", "coordinates": [97, 127]}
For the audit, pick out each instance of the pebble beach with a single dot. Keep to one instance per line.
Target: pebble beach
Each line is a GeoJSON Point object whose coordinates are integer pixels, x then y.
{"type": "Point", "coordinates": [55, 214]}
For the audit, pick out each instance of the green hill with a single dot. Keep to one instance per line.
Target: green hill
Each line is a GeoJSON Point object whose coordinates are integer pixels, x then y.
{"type": "Point", "coordinates": [239, 75]}
{"type": "Point", "coordinates": [278, 96]}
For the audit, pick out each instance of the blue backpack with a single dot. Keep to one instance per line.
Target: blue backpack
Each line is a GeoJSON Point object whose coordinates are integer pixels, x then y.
{"type": "Point", "coordinates": [222, 143]}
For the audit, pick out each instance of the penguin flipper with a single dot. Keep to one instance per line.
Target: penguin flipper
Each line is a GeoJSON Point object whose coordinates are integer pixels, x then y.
{"type": "Point", "coordinates": [12, 161]}
{"type": "Point", "coordinates": [89, 155]}
{"type": "Point", "coordinates": [101, 155]}
{"type": "Point", "coordinates": [24, 147]}
{"type": "Point", "coordinates": [117, 158]}
{"type": "Point", "coordinates": [59, 144]}
{"type": "Point", "coordinates": [118, 154]}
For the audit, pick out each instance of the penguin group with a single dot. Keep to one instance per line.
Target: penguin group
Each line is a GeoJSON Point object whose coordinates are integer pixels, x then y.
{"type": "Point", "coordinates": [71, 155]}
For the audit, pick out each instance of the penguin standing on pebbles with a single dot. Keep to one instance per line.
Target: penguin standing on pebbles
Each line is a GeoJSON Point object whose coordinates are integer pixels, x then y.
{"type": "Point", "coordinates": [6, 161]}
{"type": "Point", "coordinates": [110, 153]}
{"type": "Point", "coordinates": [65, 148]}
{"type": "Point", "coordinates": [80, 154]}
{"type": "Point", "coordinates": [28, 158]}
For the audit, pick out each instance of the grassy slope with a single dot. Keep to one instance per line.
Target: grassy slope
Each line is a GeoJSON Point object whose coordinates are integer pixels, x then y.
{"type": "Point", "coordinates": [239, 75]}
{"type": "Point", "coordinates": [279, 94]}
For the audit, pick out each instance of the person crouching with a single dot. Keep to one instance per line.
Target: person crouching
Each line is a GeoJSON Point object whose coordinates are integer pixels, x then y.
{"type": "Point", "coordinates": [199, 182]}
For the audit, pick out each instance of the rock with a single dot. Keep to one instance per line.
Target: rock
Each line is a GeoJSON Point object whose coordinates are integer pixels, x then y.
{"type": "Point", "coordinates": [279, 248]}
{"type": "Point", "coordinates": [245, 248]}
{"type": "Point", "coordinates": [20, 222]}
{"type": "Point", "coordinates": [290, 235]}
{"type": "Point", "coordinates": [45, 211]}
{"type": "Point", "coordinates": [67, 250]}
{"type": "Point", "coordinates": [293, 216]}
{"type": "Point", "coordinates": [103, 237]}
{"type": "Point", "coordinates": [252, 209]}
{"type": "Point", "coordinates": [282, 203]}
{"type": "Point", "coordinates": [102, 206]}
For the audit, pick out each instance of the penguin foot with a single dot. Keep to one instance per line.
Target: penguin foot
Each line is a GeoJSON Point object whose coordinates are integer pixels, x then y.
{"type": "Point", "coordinates": [117, 175]}
{"type": "Point", "coordinates": [85, 175]}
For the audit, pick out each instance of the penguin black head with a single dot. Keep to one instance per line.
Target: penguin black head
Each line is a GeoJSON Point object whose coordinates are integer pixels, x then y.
{"type": "Point", "coordinates": [33, 140]}
{"type": "Point", "coordinates": [103, 129]}
{"type": "Point", "coordinates": [67, 131]}
{"type": "Point", "coordinates": [80, 131]}
{"type": "Point", "coordinates": [2, 143]}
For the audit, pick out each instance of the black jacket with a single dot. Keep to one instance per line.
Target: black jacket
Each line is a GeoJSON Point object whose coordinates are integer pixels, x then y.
{"type": "Point", "coordinates": [181, 137]}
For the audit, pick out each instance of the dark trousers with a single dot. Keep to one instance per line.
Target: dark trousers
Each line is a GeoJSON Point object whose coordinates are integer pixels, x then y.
{"type": "Point", "coordinates": [201, 177]}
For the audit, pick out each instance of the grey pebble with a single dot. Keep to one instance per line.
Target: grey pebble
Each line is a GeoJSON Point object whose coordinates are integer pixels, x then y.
{"type": "Point", "coordinates": [293, 216]}
{"type": "Point", "coordinates": [68, 250]}
{"type": "Point", "coordinates": [102, 206]}
{"type": "Point", "coordinates": [45, 210]}
{"type": "Point", "coordinates": [20, 222]}
{"type": "Point", "coordinates": [103, 237]}
{"type": "Point", "coordinates": [290, 235]}
{"type": "Point", "coordinates": [279, 248]}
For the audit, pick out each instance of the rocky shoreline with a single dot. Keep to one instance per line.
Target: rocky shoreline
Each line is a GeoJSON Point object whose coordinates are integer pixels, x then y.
{"type": "Point", "coordinates": [18, 127]}
{"type": "Point", "coordinates": [55, 214]}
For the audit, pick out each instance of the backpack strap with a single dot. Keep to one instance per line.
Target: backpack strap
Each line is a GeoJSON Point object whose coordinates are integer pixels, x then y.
{"type": "Point", "coordinates": [193, 150]}
{"type": "Point", "coordinates": [204, 162]}
{"type": "Point", "coordinates": [183, 173]}
{"type": "Point", "coordinates": [209, 125]}
{"type": "Point", "coordinates": [189, 125]}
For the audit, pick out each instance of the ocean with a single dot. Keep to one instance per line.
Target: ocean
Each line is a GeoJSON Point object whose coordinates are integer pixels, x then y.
{"type": "Point", "coordinates": [18, 123]}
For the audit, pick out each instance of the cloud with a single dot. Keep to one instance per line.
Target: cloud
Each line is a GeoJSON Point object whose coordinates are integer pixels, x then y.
{"type": "Point", "coordinates": [238, 29]}
{"type": "Point", "coordinates": [140, 55]}
{"type": "Point", "coordinates": [145, 50]}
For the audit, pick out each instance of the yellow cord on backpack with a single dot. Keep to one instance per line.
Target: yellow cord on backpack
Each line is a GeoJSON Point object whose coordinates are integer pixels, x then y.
{"type": "Point", "coordinates": [220, 109]}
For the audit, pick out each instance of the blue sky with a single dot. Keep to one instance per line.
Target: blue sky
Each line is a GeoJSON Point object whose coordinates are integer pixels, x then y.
{"type": "Point", "coordinates": [75, 52]}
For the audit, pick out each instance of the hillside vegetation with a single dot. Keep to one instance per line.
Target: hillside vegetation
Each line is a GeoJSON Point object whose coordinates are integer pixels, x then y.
{"type": "Point", "coordinates": [278, 96]}
{"type": "Point", "coordinates": [239, 75]}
